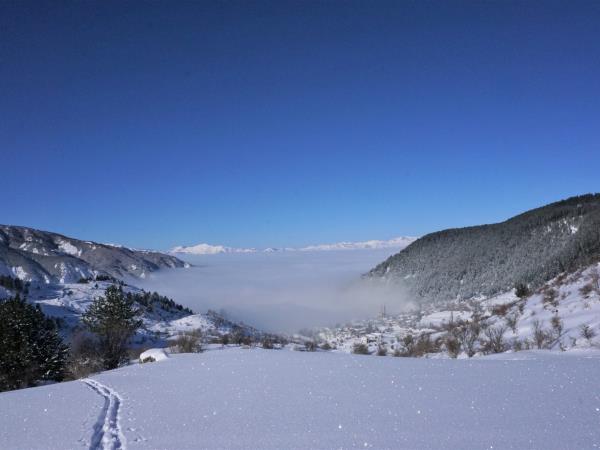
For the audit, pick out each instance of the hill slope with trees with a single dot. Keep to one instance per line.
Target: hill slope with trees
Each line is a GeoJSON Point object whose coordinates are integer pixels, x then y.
{"type": "Point", "coordinates": [528, 249]}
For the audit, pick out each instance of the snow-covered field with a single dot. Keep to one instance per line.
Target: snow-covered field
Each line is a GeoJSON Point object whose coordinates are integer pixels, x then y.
{"type": "Point", "coordinates": [279, 399]}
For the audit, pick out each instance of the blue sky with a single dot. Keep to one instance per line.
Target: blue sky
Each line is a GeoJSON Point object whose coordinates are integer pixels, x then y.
{"type": "Point", "coordinates": [287, 123]}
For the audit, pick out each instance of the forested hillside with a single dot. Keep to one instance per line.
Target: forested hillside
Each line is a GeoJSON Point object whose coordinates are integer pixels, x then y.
{"type": "Point", "coordinates": [528, 249]}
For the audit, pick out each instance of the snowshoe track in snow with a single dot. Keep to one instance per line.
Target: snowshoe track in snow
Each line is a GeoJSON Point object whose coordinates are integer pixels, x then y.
{"type": "Point", "coordinates": [107, 431]}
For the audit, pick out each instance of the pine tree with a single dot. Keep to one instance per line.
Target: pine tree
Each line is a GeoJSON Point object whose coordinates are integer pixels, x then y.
{"type": "Point", "coordinates": [521, 290]}
{"type": "Point", "coordinates": [31, 349]}
{"type": "Point", "coordinates": [114, 319]}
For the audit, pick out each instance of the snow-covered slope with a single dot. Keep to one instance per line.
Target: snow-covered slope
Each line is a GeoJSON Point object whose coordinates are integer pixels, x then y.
{"type": "Point", "coordinates": [65, 275]}
{"type": "Point", "coordinates": [162, 318]}
{"type": "Point", "coordinates": [34, 255]}
{"type": "Point", "coordinates": [207, 249]}
{"type": "Point", "coordinates": [561, 309]}
{"type": "Point", "coordinates": [564, 313]}
{"type": "Point", "coordinates": [277, 399]}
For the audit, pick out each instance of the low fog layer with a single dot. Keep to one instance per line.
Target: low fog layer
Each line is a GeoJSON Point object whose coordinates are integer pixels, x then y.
{"type": "Point", "coordinates": [281, 291]}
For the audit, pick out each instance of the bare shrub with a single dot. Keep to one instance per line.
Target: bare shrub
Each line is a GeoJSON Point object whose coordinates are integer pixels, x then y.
{"type": "Point", "coordinates": [85, 356]}
{"type": "Point", "coordinates": [247, 340]}
{"type": "Point", "coordinates": [420, 346]}
{"type": "Point", "coordinates": [225, 339]}
{"type": "Point", "coordinates": [550, 297]}
{"type": "Point", "coordinates": [501, 310]}
{"type": "Point", "coordinates": [408, 344]}
{"type": "Point", "coordinates": [187, 342]}
{"type": "Point", "coordinates": [280, 342]}
{"type": "Point", "coordinates": [586, 332]}
{"type": "Point", "coordinates": [517, 345]}
{"type": "Point", "coordinates": [575, 276]}
{"type": "Point", "coordinates": [452, 324]}
{"type": "Point", "coordinates": [382, 350]}
{"type": "Point", "coordinates": [326, 346]}
{"type": "Point", "coordinates": [468, 336]}
{"type": "Point", "coordinates": [494, 340]}
{"type": "Point", "coordinates": [240, 337]}
{"type": "Point", "coordinates": [595, 280]}
{"type": "Point", "coordinates": [360, 349]}
{"type": "Point", "coordinates": [560, 279]}
{"type": "Point", "coordinates": [310, 346]}
{"type": "Point", "coordinates": [427, 345]}
{"type": "Point", "coordinates": [453, 346]}
{"type": "Point", "coordinates": [541, 337]}
{"type": "Point", "coordinates": [557, 325]}
{"type": "Point", "coordinates": [267, 343]}
{"type": "Point", "coordinates": [147, 359]}
{"type": "Point", "coordinates": [511, 322]}
{"type": "Point", "coordinates": [586, 289]}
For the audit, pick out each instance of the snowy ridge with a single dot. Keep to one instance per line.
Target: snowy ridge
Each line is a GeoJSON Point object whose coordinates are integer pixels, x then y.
{"type": "Point", "coordinates": [42, 256]}
{"type": "Point", "coordinates": [207, 249]}
{"type": "Point", "coordinates": [398, 242]}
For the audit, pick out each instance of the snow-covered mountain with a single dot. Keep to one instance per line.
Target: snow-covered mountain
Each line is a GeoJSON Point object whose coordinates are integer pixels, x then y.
{"type": "Point", "coordinates": [34, 255]}
{"type": "Point", "coordinates": [530, 249]}
{"type": "Point", "coordinates": [207, 249]}
{"type": "Point", "coordinates": [64, 275]}
{"type": "Point", "coordinates": [398, 242]}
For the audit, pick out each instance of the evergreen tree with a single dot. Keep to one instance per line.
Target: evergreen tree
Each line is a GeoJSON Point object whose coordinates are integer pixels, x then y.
{"type": "Point", "coordinates": [114, 319]}
{"type": "Point", "coordinates": [522, 291]}
{"type": "Point", "coordinates": [31, 349]}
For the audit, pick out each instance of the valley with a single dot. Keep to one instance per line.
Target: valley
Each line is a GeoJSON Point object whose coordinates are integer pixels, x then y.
{"type": "Point", "coordinates": [388, 375]}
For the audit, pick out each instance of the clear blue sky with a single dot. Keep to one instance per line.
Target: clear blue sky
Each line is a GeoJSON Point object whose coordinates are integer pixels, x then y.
{"type": "Point", "coordinates": [287, 123]}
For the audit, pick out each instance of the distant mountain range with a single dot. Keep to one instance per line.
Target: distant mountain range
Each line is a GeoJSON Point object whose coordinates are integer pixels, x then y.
{"type": "Point", "coordinates": [207, 249]}
{"type": "Point", "coordinates": [399, 242]}
{"type": "Point", "coordinates": [484, 260]}
{"type": "Point", "coordinates": [34, 255]}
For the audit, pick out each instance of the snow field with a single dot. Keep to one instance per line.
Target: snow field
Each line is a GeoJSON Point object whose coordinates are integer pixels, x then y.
{"type": "Point", "coordinates": [275, 399]}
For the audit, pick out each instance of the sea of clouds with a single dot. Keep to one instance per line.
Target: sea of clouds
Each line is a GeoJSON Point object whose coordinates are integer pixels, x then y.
{"type": "Point", "coordinates": [282, 292]}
